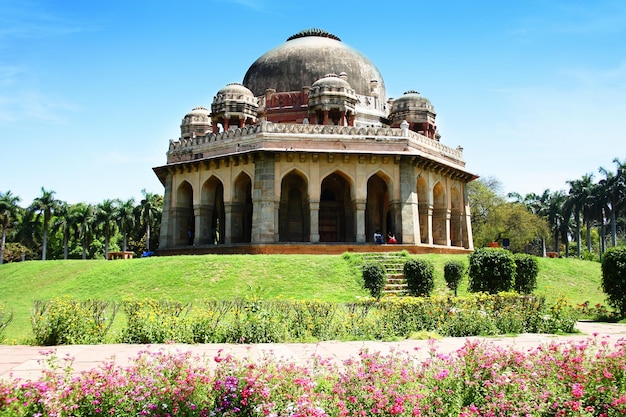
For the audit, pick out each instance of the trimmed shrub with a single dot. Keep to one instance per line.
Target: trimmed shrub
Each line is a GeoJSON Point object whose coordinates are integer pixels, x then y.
{"type": "Point", "coordinates": [526, 271]}
{"type": "Point", "coordinates": [491, 270]}
{"type": "Point", "coordinates": [453, 272]}
{"type": "Point", "coordinates": [419, 275]}
{"type": "Point", "coordinates": [614, 278]}
{"type": "Point", "coordinates": [374, 278]}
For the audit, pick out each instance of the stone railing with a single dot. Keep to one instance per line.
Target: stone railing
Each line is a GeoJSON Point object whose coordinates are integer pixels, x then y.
{"type": "Point", "coordinates": [190, 145]}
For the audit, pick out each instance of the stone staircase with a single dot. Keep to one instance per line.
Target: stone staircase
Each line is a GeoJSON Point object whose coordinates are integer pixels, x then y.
{"type": "Point", "coordinates": [393, 264]}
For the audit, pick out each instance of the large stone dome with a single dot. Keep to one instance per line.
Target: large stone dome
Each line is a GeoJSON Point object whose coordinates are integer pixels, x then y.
{"type": "Point", "coordinates": [307, 57]}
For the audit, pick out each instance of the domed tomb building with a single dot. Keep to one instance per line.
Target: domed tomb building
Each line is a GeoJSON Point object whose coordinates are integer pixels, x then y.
{"type": "Point", "coordinates": [307, 148]}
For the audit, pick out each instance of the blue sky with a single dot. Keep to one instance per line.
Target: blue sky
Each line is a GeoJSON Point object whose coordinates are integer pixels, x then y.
{"type": "Point", "coordinates": [92, 91]}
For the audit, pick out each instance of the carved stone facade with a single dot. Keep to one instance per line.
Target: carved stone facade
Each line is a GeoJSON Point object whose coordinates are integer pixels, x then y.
{"type": "Point", "coordinates": [325, 162]}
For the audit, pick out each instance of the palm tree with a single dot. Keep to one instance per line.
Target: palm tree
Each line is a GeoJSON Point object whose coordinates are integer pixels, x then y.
{"type": "Point", "coordinates": [577, 199]}
{"type": "Point", "coordinates": [148, 210]}
{"type": "Point", "coordinates": [8, 211]}
{"type": "Point", "coordinates": [45, 205]}
{"type": "Point", "coordinates": [62, 222]}
{"type": "Point", "coordinates": [106, 216]}
{"type": "Point", "coordinates": [85, 222]}
{"type": "Point", "coordinates": [611, 189]}
{"type": "Point", "coordinates": [126, 219]}
{"type": "Point", "coordinates": [554, 215]}
{"type": "Point", "coordinates": [601, 210]}
{"type": "Point", "coordinates": [618, 195]}
{"type": "Point", "coordinates": [27, 230]}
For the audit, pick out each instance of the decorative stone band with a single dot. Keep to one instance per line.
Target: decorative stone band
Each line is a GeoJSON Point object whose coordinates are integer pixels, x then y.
{"type": "Point", "coordinates": [297, 136]}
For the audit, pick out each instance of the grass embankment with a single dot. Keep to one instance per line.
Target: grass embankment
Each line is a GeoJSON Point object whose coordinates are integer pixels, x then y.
{"type": "Point", "coordinates": [223, 277]}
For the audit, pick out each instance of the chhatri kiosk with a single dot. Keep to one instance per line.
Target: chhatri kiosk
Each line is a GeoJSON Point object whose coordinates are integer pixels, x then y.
{"type": "Point", "coordinates": [308, 152]}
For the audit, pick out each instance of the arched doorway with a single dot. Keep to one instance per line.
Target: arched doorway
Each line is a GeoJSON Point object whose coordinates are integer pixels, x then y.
{"type": "Point", "coordinates": [376, 207]}
{"type": "Point", "coordinates": [336, 216]}
{"type": "Point", "coordinates": [456, 220]}
{"type": "Point", "coordinates": [294, 213]}
{"type": "Point", "coordinates": [440, 211]}
{"type": "Point", "coordinates": [213, 211]}
{"type": "Point", "coordinates": [242, 210]}
{"type": "Point", "coordinates": [184, 214]}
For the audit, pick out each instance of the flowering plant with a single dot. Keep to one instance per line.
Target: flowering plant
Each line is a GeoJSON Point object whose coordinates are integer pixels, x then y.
{"type": "Point", "coordinates": [582, 378]}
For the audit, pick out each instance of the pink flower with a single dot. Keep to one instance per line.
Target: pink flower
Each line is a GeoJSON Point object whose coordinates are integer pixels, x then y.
{"type": "Point", "coordinates": [577, 390]}
{"type": "Point", "coordinates": [442, 374]}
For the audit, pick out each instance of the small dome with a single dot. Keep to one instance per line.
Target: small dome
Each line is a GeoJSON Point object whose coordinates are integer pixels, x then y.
{"type": "Point", "coordinates": [412, 100]}
{"type": "Point", "coordinates": [197, 121]}
{"type": "Point", "coordinates": [234, 92]}
{"type": "Point", "coordinates": [199, 115]}
{"type": "Point", "coordinates": [331, 81]}
{"type": "Point", "coordinates": [199, 111]}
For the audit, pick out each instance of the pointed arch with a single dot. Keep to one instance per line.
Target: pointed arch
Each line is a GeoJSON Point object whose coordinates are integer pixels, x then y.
{"type": "Point", "coordinates": [185, 224]}
{"type": "Point", "coordinates": [241, 228]}
{"type": "Point", "coordinates": [336, 212]}
{"type": "Point", "coordinates": [212, 202]}
{"type": "Point", "coordinates": [377, 208]}
{"type": "Point", "coordinates": [456, 217]}
{"type": "Point", "coordinates": [293, 212]}
{"type": "Point", "coordinates": [440, 210]}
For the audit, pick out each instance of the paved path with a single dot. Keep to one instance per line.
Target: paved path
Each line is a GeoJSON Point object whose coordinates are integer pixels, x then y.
{"type": "Point", "coordinates": [24, 362]}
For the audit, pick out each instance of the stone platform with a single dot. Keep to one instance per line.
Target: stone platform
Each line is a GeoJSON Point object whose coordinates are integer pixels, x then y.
{"type": "Point", "coordinates": [309, 249]}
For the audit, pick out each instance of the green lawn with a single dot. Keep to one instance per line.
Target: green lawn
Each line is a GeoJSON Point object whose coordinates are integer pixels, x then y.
{"type": "Point", "coordinates": [196, 278]}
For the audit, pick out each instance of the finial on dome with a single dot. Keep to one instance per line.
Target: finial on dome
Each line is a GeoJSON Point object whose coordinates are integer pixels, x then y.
{"type": "Point", "coordinates": [313, 32]}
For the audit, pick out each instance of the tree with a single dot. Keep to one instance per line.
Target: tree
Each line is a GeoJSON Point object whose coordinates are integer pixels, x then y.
{"type": "Point", "coordinates": [577, 204]}
{"type": "Point", "coordinates": [148, 211]}
{"type": "Point", "coordinates": [515, 222]}
{"type": "Point", "coordinates": [106, 217]}
{"type": "Point", "coordinates": [45, 205]}
{"type": "Point", "coordinates": [63, 222]}
{"type": "Point", "coordinates": [614, 186]}
{"type": "Point", "coordinates": [484, 196]}
{"type": "Point", "coordinates": [537, 205]}
{"type": "Point", "coordinates": [27, 231]}
{"type": "Point", "coordinates": [8, 212]}
{"type": "Point", "coordinates": [84, 226]}
{"type": "Point", "coordinates": [555, 216]}
{"type": "Point", "coordinates": [126, 219]}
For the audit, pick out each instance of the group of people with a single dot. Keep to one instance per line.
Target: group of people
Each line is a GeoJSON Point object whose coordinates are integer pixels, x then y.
{"type": "Point", "coordinates": [378, 237]}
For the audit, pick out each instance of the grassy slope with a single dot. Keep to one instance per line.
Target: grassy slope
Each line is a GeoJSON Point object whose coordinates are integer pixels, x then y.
{"type": "Point", "coordinates": [195, 278]}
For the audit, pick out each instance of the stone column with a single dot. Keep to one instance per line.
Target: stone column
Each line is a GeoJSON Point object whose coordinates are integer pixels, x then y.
{"type": "Point", "coordinates": [165, 236]}
{"type": "Point", "coordinates": [359, 209]}
{"type": "Point", "coordinates": [178, 220]}
{"type": "Point", "coordinates": [325, 118]}
{"type": "Point", "coordinates": [263, 217]}
{"type": "Point", "coordinates": [203, 228]}
{"type": "Point", "coordinates": [228, 223]}
{"type": "Point", "coordinates": [468, 222]}
{"type": "Point", "coordinates": [430, 224]}
{"type": "Point", "coordinates": [409, 226]}
{"type": "Point", "coordinates": [448, 216]}
{"type": "Point", "coordinates": [314, 207]}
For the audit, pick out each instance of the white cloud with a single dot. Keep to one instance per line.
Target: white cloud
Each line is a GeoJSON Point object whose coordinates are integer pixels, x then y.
{"type": "Point", "coordinates": [33, 106]}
